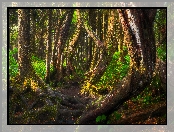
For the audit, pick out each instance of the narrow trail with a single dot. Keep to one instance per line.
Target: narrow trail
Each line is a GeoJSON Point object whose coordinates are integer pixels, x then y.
{"type": "Point", "coordinates": [72, 104]}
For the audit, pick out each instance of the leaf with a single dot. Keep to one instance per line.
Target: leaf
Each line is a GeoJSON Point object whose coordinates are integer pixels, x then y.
{"type": "Point", "coordinates": [117, 115]}
{"type": "Point", "coordinates": [98, 119]}
{"type": "Point", "coordinates": [103, 117]}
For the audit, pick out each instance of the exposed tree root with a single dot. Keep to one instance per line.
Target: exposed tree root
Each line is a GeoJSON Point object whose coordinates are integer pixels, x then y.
{"type": "Point", "coordinates": [65, 109]}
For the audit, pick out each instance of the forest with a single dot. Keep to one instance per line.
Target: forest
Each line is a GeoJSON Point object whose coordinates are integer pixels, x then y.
{"type": "Point", "coordinates": [87, 66]}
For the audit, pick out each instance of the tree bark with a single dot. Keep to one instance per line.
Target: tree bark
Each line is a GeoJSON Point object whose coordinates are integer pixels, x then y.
{"type": "Point", "coordinates": [72, 45]}
{"type": "Point", "coordinates": [64, 34]}
{"type": "Point", "coordinates": [49, 47]}
{"type": "Point", "coordinates": [97, 71]}
{"type": "Point", "coordinates": [24, 46]}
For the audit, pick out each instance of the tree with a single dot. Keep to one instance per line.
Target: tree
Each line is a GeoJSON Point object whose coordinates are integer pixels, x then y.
{"type": "Point", "coordinates": [24, 46]}
{"type": "Point", "coordinates": [83, 53]}
{"type": "Point", "coordinates": [105, 49]}
{"type": "Point", "coordinates": [64, 33]}
{"type": "Point", "coordinates": [138, 77]}
{"type": "Point", "coordinates": [49, 47]}
{"type": "Point", "coordinates": [72, 45]}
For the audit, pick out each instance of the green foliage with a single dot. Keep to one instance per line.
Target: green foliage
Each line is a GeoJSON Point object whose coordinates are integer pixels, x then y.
{"type": "Point", "coordinates": [64, 63]}
{"type": "Point", "coordinates": [161, 52]}
{"type": "Point", "coordinates": [101, 118]}
{"type": "Point", "coordinates": [145, 97]}
{"type": "Point", "coordinates": [80, 72]}
{"type": "Point", "coordinates": [40, 67]}
{"type": "Point", "coordinates": [13, 35]}
{"type": "Point", "coordinates": [74, 19]}
{"type": "Point", "coordinates": [116, 70]}
{"type": "Point", "coordinates": [161, 16]}
{"type": "Point", "coordinates": [160, 21]}
{"type": "Point", "coordinates": [13, 65]}
{"type": "Point", "coordinates": [117, 115]}
{"type": "Point", "coordinates": [159, 30]}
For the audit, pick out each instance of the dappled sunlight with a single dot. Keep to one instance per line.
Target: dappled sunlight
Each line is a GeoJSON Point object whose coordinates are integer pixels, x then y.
{"type": "Point", "coordinates": [92, 66]}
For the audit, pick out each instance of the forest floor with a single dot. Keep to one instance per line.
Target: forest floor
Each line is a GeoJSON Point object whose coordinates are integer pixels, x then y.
{"type": "Point", "coordinates": [135, 113]}
{"type": "Point", "coordinates": [72, 91]}
{"type": "Point", "coordinates": [71, 106]}
{"type": "Point", "coordinates": [52, 106]}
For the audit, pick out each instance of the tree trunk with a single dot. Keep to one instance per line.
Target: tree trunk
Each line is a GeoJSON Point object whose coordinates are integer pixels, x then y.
{"type": "Point", "coordinates": [33, 29]}
{"type": "Point", "coordinates": [72, 45]}
{"type": "Point", "coordinates": [137, 79]}
{"type": "Point", "coordinates": [49, 47]}
{"type": "Point", "coordinates": [97, 71]}
{"type": "Point", "coordinates": [64, 34]}
{"type": "Point", "coordinates": [24, 46]}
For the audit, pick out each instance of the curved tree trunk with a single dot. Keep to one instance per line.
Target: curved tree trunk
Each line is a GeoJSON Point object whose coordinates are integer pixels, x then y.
{"type": "Point", "coordinates": [97, 71]}
{"type": "Point", "coordinates": [138, 76]}
{"type": "Point", "coordinates": [72, 45]}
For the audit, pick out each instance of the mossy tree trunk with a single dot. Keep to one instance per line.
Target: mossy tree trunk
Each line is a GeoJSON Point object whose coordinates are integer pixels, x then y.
{"type": "Point", "coordinates": [27, 76]}
{"type": "Point", "coordinates": [72, 46]}
{"type": "Point", "coordinates": [24, 45]}
{"type": "Point", "coordinates": [138, 77]}
{"type": "Point", "coordinates": [49, 46]}
{"type": "Point", "coordinates": [106, 49]}
{"type": "Point", "coordinates": [63, 36]}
